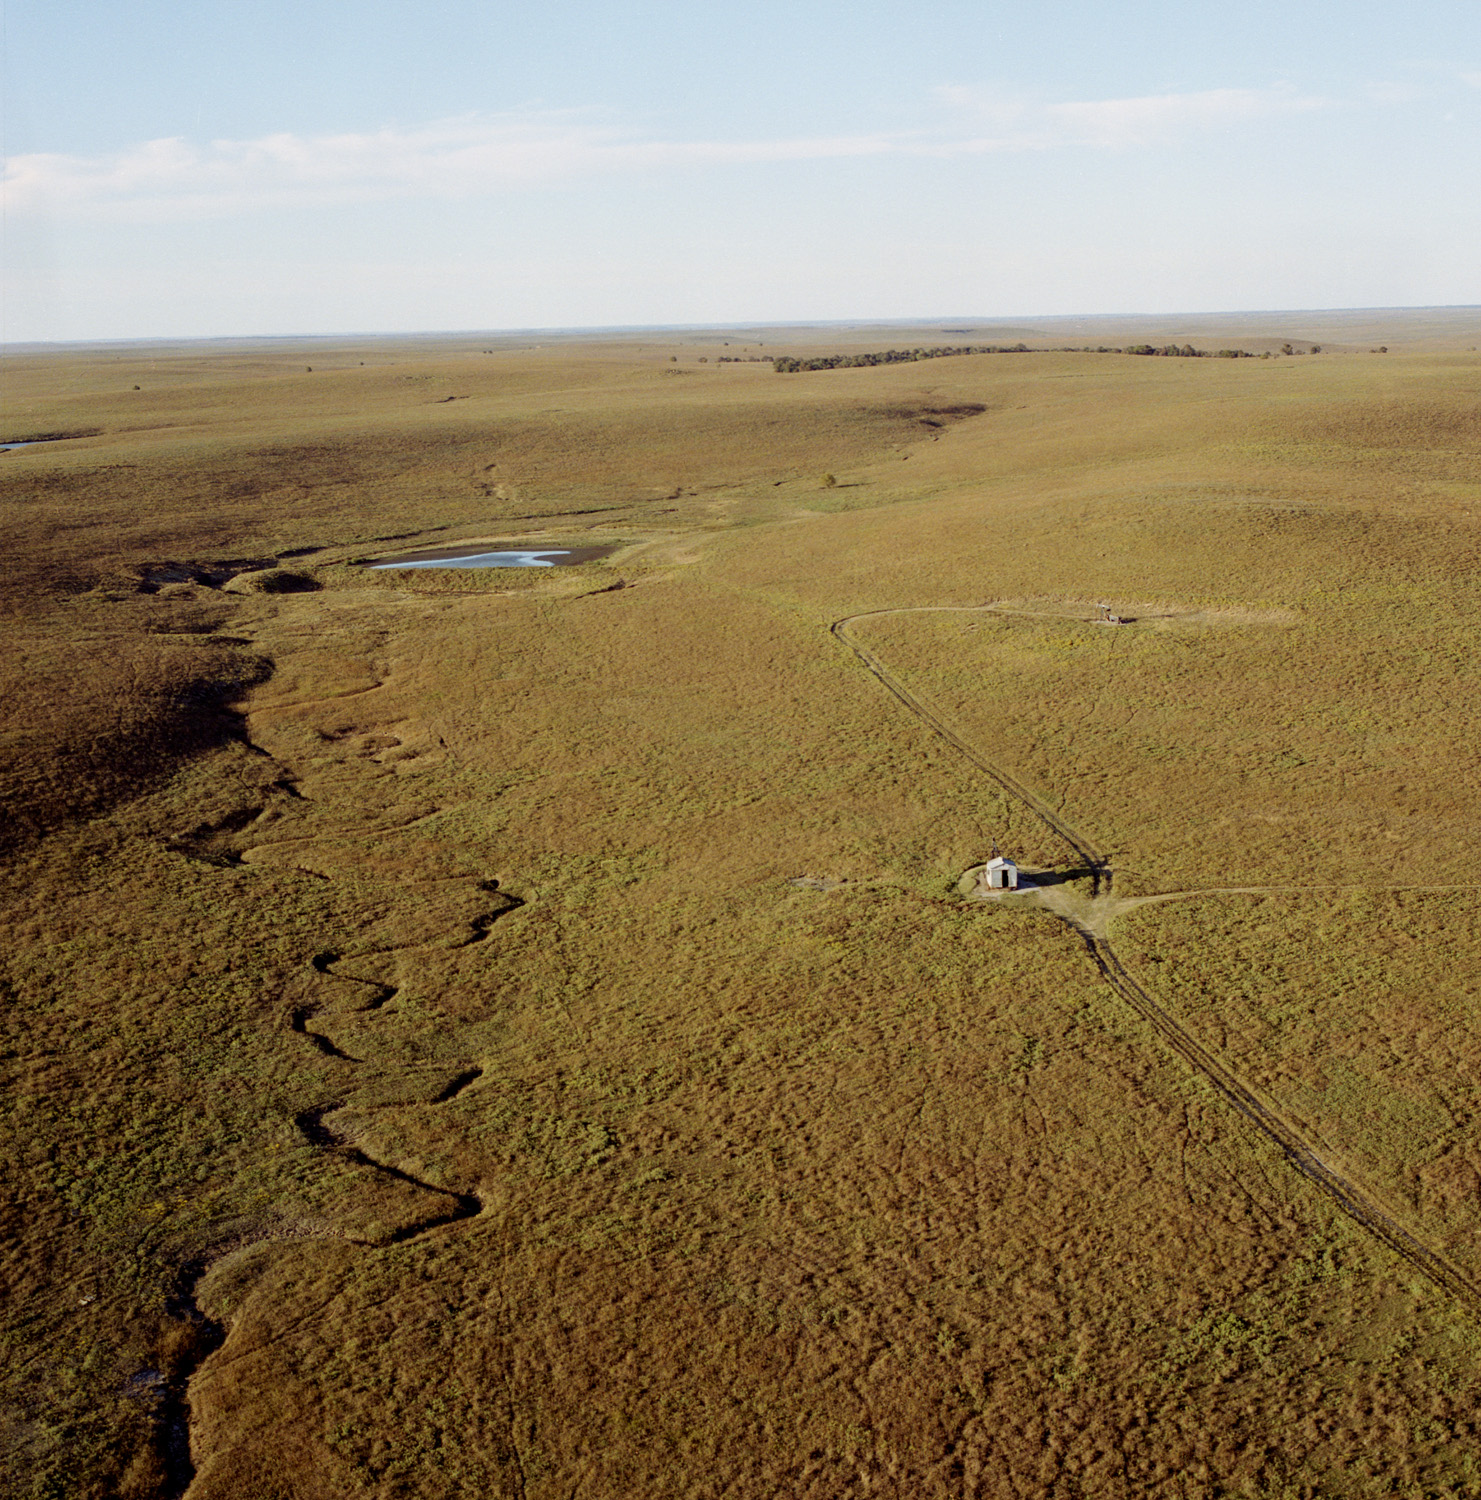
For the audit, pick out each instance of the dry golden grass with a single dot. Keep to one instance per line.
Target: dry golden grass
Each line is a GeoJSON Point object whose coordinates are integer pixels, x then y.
{"type": "Point", "coordinates": [1355, 1012]}
{"type": "Point", "coordinates": [676, 1178]}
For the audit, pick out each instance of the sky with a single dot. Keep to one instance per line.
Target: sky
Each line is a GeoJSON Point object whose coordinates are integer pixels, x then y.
{"type": "Point", "coordinates": [207, 168]}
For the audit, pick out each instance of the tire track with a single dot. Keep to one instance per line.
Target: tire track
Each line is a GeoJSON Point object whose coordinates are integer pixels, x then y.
{"type": "Point", "coordinates": [1097, 863]}
{"type": "Point", "coordinates": [1348, 1197]}
{"type": "Point", "coordinates": [1345, 1194]}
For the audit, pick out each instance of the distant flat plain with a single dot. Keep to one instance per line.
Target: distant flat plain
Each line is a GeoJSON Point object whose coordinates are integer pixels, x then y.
{"type": "Point", "coordinates": [517, 1032]}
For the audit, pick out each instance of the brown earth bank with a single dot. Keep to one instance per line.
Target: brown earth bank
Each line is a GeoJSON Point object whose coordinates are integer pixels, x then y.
{"type": "Point", "coordinates": [508, 1033]}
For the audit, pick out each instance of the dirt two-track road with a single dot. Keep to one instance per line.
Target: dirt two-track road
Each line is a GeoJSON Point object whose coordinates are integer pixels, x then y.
{"type": "Point", "coordinates": [1091, 916]}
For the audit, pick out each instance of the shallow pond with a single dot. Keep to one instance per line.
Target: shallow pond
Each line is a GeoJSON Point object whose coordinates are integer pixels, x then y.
{"type": "Point", "coordinates": [9, 445]}
{"type": "Point", "coordinates": [486, 557]}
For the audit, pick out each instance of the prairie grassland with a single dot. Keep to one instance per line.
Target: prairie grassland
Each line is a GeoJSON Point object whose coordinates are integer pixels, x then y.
{"type": "Point", "coordinates": [338, 1173]}
{"type": "Point", "coordinates": [1356, 1013]}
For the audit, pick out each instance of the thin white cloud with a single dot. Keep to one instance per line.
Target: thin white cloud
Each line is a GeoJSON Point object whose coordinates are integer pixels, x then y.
{"type": "Point", "coordinates": [448, 158]}
{"type": "Point", "coordinates": [1388, 91]}
{"type": "Point", "coordinates": [1474, 79]}
{"type": "Point", "coordinates": [1116, 124]}
{"type": "Point", "coordinates": [1146, 121]}
{"type": "Point", "coordinates": [480, 154]}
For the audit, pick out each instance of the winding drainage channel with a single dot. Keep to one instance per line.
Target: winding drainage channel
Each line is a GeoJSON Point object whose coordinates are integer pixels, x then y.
{"type": "Point", "coordinates": [1299, 1152]}
{"type": "Point", "coordinates": [173, 1413]}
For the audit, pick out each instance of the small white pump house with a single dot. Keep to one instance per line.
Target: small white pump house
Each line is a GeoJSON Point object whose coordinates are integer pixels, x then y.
{"type": "Point", "coordinates": [1001, 873]}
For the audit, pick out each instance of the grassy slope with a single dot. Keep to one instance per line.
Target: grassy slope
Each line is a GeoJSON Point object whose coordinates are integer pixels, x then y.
{"type": "Point", "coordinates": [1356, 1012]}
{"type": "Point", "coordinates": [784, 1191]}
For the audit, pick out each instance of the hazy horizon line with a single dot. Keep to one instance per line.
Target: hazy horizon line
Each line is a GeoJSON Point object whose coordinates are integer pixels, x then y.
{"type": "Point", "coordinates": [987, 322]}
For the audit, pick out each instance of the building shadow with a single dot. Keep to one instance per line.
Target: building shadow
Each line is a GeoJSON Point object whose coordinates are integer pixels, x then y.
{"type": "Point", "coordinates": [1054, 877]}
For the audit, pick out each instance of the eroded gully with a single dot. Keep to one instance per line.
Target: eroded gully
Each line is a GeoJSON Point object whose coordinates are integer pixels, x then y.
{"type": "Point", "coordinates": [207, 1334]}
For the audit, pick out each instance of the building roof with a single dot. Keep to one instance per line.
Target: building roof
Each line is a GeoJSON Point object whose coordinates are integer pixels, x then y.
{"type": "Point", "coordinates": [998, 861]}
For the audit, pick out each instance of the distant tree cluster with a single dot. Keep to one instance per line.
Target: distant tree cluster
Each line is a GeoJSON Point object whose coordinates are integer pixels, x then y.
{"type": "Point", "coordinates": [1187, 351]}
{"type": "Point", "coordinates": [786, 365]}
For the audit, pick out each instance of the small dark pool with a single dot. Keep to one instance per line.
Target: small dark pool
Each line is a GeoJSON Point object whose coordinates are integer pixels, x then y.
{"type": "Point", "coordinates": [495, 557]}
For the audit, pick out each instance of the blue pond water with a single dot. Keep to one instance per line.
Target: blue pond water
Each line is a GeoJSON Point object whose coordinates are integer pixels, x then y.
{"type": "Point", "coordinates": [491, 554]}
{"type": "Point", "coordinates": [9, 445]}
{"type": "Point", "coordinates": [545, 559]}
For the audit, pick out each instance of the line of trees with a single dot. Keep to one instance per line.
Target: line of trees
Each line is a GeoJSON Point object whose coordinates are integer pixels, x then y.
{"type": "Point", "coordinates": [785, 364]}
{"type": "Point", "coordinates": [1187, 351]}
